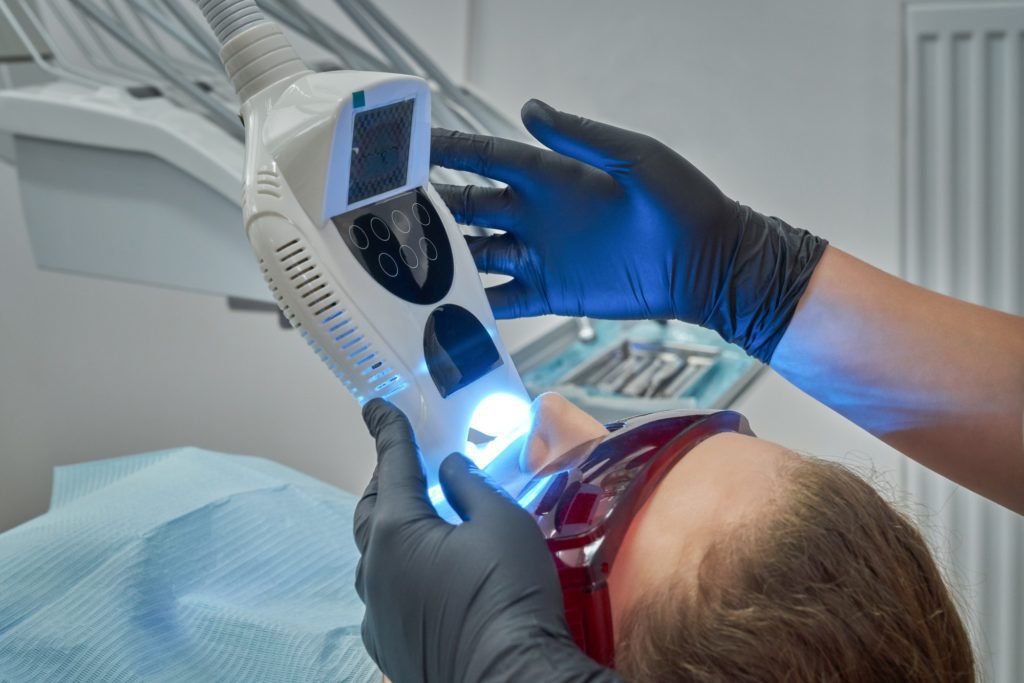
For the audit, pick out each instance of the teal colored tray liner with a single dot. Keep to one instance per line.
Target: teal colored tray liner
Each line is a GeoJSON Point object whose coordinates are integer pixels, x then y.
{"type": "Point", "coordinates": [732, 364]}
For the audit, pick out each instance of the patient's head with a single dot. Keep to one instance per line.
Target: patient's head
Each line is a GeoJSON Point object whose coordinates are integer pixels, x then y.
{"type": "Point", "coordinates": [751, 562]}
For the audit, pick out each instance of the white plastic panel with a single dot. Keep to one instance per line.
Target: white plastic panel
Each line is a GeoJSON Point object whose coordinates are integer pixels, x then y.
{"type": "Point", "coordinates": [134, 217]}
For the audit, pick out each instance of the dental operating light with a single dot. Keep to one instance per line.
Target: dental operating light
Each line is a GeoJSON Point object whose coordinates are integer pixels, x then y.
{"type": "Point", "coordinates": [361, 254]}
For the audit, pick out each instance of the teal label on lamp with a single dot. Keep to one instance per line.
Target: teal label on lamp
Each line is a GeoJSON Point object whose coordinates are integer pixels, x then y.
{"type": "Point", "coordinates": [358, 99]}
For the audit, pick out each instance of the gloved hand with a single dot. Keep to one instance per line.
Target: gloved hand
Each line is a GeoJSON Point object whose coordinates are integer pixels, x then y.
{"type": "Point", "coordinates": [614, 224]}
{"type": "Point", "coordinates": [474, 602]}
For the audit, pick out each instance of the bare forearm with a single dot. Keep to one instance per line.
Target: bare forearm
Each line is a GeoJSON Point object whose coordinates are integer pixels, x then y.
{"type": "Point", "coordinates": [939, 379]}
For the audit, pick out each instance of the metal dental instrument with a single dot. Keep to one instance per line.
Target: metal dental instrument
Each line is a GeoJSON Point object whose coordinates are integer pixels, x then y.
{"type": "Point", "coordinates": [671, 363]}
{"type": "Point", "coordinates": [96, 71]}
{"type": "Point", "coordinates": [56, 50]}
{"type": "Point", "coordinates": [297, 22]}
{"type": "Point", "coordinates": [639, 382]}
{"type": "Point", "coordinates": [696, 368]}
{"type": "Point", "coordinates": [140, 29]}
{"type": "Point", "coordinates": [299, 19]}
{"type": "Point", "coordinates": [492, 122]}
{"type": "Point", "coordinates": [112, 62]}
{"type": "Point", "coordinates": [196, 29]}
{"type": "Point", "coordinates": [179, 35]}
{"type": "Point", "coordinates": [631, 366]}
{"type": "Point", "coordinates": [38, 58]}
{"type": "Point", "coordinates": [217, 110]}
{"type": "Point", "coordinates": [445, 115]}
{"type": "Point", "coordinates": [192, 61]}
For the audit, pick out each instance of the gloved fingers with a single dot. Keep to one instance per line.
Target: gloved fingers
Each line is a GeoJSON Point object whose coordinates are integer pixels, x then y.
{"type": "Point", "coordinates": [514, 299]}
{"type": "Point", "coordinates": [369, 642]}
{"type": "Point", "coordinates": [487, 207]}
{"type": "Point", "coordinates": [363, 517]}
{"type": "Point", "coordinates": [505, 160]}
{"type": "Point", "coordinates": [496, 254]}
{"type": "Point", "coordinates": [609, 148]}
{"type": "Point", "coordinates": [360, 580]}
{"type": "Point", "coordinates": [472, 494]}
{"type": "Point", "coordinates": [401, 483]}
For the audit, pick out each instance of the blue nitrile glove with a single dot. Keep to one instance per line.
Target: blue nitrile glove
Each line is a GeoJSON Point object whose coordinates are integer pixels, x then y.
{"type": "Point", "coordinates": [475, 602]}
{"type": "Point", "coordinates": [609, 223]}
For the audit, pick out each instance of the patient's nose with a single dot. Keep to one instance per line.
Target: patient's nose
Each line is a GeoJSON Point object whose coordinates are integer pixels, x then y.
{"type": "Point", "coordinates": [557, 427]}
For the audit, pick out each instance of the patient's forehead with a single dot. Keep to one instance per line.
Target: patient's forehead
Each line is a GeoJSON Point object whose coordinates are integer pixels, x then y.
{"type": "Point", "coordinates": [728, 480]}
{"type": "Point", "coordinates": [725, 481]}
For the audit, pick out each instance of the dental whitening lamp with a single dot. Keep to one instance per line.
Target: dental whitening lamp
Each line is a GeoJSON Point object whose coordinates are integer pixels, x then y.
{"type": "Point", "coordinates": [359, 251]}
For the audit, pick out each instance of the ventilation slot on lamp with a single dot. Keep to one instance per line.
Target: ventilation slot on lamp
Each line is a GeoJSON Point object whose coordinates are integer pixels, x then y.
{"type": "Point", "coordinates": [286, 310]}
{"type": "Point", "coordinates": [369, 375]}
{"type": "Point", "coordinates": [267, 183]}
{"type": "Point", "coordinates": [306, 278]}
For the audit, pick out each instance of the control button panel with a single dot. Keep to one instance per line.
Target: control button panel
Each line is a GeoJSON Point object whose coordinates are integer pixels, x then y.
{"type": "Point", "coordinates": [402, 244]}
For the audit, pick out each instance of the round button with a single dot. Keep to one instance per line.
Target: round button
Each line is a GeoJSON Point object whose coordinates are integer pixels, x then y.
{"type": "Point", "coordinates": [428, 249]}
{"type": "Point", "coordinates": [358, 237]}
{"type": "Point", "coordinates": [421, 214]}
{"type": "Point", "coordinates": [400, 221]}
{"type": "Point", "coordinates": [380, 229]}
{"type": "Point", "coordinates": [388, 265]}
{"type": "Point", "coordinates": [409, 256]}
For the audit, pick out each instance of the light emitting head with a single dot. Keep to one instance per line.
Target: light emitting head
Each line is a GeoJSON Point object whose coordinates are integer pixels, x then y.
{"type": "Point", "coordinates": [500, 413]}
{"type": "Point", "coordinates": [497, 422]}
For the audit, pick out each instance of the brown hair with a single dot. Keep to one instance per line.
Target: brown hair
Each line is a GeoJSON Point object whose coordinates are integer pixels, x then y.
{"type": "Point", "coordinates": [833, 584]}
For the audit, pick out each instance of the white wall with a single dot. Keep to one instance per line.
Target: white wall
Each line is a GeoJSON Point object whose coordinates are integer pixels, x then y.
{"type": "Point", "coordinates": [791, 106]}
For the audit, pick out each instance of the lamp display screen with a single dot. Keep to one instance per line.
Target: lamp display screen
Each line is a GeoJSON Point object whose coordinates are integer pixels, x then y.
{"type": "Point", "coordinates": [380, 150]}
{"type": "Point", "coordinates": [457, 348]}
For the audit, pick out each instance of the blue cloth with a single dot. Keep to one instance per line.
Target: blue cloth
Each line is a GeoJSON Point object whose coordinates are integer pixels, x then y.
{"type": "Point", "coordinates": [183, 565]}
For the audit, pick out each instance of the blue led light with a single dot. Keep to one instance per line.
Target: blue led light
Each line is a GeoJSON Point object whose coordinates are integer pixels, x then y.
{"type": "Point", "coordinates": [531, 495]}
{"type": "Point", "coordinates": [500, 413]}
{"type": "Point", "coordinates": [331, 317]}
{"type": "Point", "coordinates": [435, 494]}
{"type": "Point", "coordinates": [483, 455]}
{"type": "Point", "coordinates": [503, 416]}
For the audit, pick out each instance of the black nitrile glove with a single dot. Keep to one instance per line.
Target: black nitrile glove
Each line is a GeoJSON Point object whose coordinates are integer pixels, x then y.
{"type": "Point", "coordinates": [475, 602]}
{"type": "Point", "coordinates": [614, 224]}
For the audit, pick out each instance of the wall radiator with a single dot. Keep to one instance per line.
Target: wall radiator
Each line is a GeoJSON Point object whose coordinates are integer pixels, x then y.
{"type": "Point", "coordinates": [963, 233]}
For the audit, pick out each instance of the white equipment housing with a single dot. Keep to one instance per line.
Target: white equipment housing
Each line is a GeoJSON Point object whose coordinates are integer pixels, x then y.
{"type": "Point", "coordinates": [129, 187]}
{"type": "Point", "coordinates": [365, 259]}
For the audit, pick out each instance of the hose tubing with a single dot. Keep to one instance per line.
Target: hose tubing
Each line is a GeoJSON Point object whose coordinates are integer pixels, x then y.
{"type": "Point", "coordinates": [254, 52]}
{"type": "Point", "coordinates": [228, 18]}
